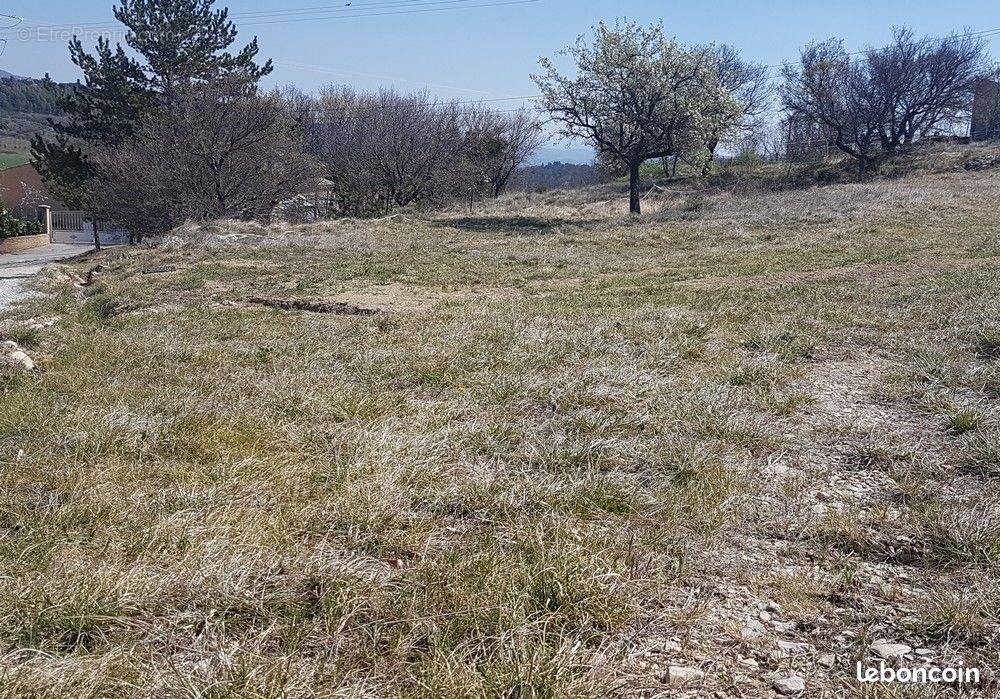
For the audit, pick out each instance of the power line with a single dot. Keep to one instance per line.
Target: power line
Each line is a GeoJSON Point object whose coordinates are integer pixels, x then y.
{"type": "Point", "coordinates": [394, 78]}
{"type": "Point", "coordinates": [349, 7]}
{"type": "Point", "coordinates": [422, 6]}
{"type": "Point", "coordinates": [15, 22]}
{"type": "Point", "coordinates": [860, 52]}
{"type": "Point", "coordinates": [409, 8]}
{"type": "Point", "coordinates": [980, 34]}
{"type": "Point", "coordinates": [397, 12]}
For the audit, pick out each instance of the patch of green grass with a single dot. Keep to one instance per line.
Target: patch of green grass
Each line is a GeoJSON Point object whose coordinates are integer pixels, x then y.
{"type": "Point", "coordinates": [963, 421]}
{"type": "Point", "coordinates": [960, 537]}
{"type": "Point", "coordinates": [987, 342]}
{"type": "Point", "coordinates": [981, 455]}
{"type": "Point", "coordinates": [9, 160]}
{"type": "Point", "coordinates": [25, 336]}
{"type": "Point", "coordinates": [968, 614]}
{"type": "Point", "coordinates": [99, 308]}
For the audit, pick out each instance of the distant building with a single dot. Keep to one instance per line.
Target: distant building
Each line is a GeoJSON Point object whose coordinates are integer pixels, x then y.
{"type": "Point", "coordinates": [985, 110]}
{"type": "Point", "coordinates": [22, 191]}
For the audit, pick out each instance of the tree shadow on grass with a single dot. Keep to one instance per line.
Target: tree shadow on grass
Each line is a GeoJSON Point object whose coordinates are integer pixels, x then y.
{"type": "Point", "coordinates": [510, 225]}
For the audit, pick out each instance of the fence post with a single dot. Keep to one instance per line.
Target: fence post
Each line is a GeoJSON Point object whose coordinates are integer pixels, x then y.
{"type": "Point", "coordinates": [45, 219]}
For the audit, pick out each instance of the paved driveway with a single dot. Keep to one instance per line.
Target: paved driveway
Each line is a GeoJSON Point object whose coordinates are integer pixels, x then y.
{"type": "Point", "coordinates": [18, 266]}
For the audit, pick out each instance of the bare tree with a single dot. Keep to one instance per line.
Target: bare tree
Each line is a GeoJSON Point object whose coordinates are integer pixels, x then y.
{"type": "Point", "coordinates": [921, 84]}
{"type": "Point", "coordinates": [830, 90]}
{"type": "Point", "coordinates": [219, 151]}
{"type": "Point", "coordinates": [385, 149]}
{"type": "Point", "coordinates": [890, 97]}
{"type": "Point", "coordinates": [636, 95]}
{"type": "Point", "coordinates": [498, 144]}
{"type": "Point", "coordinates": [340, 135]}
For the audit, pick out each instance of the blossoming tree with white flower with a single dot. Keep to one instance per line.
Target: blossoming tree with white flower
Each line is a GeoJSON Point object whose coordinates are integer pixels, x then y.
{"type": "Point", "coordinates": [636, 95]}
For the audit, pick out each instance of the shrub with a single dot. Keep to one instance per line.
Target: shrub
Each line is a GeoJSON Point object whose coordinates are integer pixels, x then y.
{"type": "Point", "coordinates": [11, 226]}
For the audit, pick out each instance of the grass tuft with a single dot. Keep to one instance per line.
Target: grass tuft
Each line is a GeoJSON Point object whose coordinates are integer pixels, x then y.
{"type": "Point", "coordinates": [964, 421]}
{"type": "Point", "coordinates": [99, 308]}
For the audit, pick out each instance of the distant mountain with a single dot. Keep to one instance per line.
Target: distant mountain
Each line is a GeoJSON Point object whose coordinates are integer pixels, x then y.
{"type": "Point", "coordinates": [26, 105]}
{"type": "Point", "coordinates": [556, 176]}
{"type": "Point", "coordinates": [29, 96]}
{"type": "Point", "coordinates": [4, 75]}
{"type": "Point", "coordinates": [572, 155]}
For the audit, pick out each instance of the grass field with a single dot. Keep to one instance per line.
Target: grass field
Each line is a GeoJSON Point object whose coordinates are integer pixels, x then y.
{"type": "Point", "coordinates": [13, 160]}
{"type": "Point", "coordinates": [736, 440]}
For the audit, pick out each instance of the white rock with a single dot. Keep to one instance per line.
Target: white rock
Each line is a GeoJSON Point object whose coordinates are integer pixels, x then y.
{"type": "Point", "coordinates": [753, 629]}
{"type": "Point", "coordinates": [827, 660]}
{"type": "Point", "coordinates": [924, 652]}
{"type": "Point", "coordinates": [789, 685]}
{"type": "Point", "coordinates": [791, 648]}
{"type": "Point", "coordinates": [39, 323]}
{"type": "Point", "coordinates": [17, 357]}
{"type": "Point", "coordinates": [23, 360]}
{"type": "Point", "coordinates": [677, 674]}
{"type": "Point", "coordinates": [778, 470]}
{"type": "Point", "coordinates": [888, 651]}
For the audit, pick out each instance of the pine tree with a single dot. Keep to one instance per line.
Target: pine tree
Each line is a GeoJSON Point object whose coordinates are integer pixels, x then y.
{"type": "Point", "coordinates": [177, 43]}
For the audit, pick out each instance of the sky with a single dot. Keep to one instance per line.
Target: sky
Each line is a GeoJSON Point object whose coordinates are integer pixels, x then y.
{"type": "Point", "coordinates": [485, 49]}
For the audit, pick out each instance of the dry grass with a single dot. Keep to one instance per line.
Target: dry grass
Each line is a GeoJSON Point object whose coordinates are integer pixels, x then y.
{"type": "Point", "coordinates": [572, 449]}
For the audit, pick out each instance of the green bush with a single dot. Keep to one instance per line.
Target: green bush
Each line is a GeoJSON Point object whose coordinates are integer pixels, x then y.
{"type": "Point", "coordinates": [11, 226]}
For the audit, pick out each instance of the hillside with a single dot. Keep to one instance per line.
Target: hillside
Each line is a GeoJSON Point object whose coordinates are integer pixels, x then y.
{"type": "Point", "coordinates": [542, 450]}
{"type": "Point", "coordinates": [25, 108]}
{"type": "Point", "coordinates": [555, 175]}
{"type": "Point", "coordinates": [29, 96]}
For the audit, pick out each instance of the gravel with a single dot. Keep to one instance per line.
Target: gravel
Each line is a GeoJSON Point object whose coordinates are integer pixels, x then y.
{"type": "Point", "coordinates": [15, 268]}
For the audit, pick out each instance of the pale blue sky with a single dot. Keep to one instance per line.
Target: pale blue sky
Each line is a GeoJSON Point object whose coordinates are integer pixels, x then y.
{"type": "Point", "coordinates": [489, 51]}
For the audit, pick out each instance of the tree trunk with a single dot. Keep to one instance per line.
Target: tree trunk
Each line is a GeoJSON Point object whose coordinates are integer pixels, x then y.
{"type": "Point", "coordinates": [706, 169]}
{"type": "Point", "coordinates": [634, 203]}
